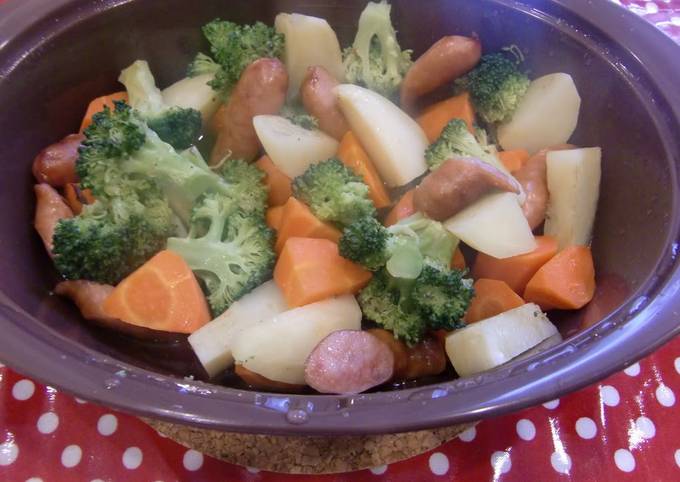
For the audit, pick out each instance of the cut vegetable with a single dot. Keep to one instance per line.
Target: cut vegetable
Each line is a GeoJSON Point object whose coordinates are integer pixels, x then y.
{"type": "Point", "coordinates": [309, 41]}
{"type": "Point", "coordinates": [297, 221]}
{"type": "Point", "coordinates": [277, 182]}
{"type": "Point", "coordinates": [213, 342]}
{"type": "Point", "coordinates": [355, 157]}
{"type": "Point", "coordinates": [76, 197]}
{"type": "Point", "coordinates": [492, 297]}
{"type": "Point", "coordinates": [193, 93]}
{"type": "Point", "coordinates": [278, 347]}
{"type": "Point", "coordinates": [516, 271]}
{"type": "Point", "coordinates": [497, 340]}
{"type": "Point", "coordinates": [574, 187]}
{"type": "Point", "coordinates": [98, 104]}
{"type": "Point", "coordinates": [566, 282]}
{"type": "Point", "coordinates": [394, 141]}
{"type": "Point", "coordinates": [162, 294]}
{"type": "Point", "coordinates": [513, 160]}
{"type": "Point", "coordinates": [292, 148]}
{"type": "Point", "coordinates": [403, 209]}
{"type": "Point", "coordinates": [274, 217]}
{"type": "Point", "coordinates": [458, 260]}
{"type": "Point", "coordinates": [311, 270]}
{"type": "Point", "coordinates": [546, 116]}
{"type": "Point", "coordinates": [494, 225]}
{"type": "Point", "coordinates": [434, 118]}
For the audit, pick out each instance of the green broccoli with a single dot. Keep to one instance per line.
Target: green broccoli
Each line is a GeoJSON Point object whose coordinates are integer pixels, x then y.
{"type": "Point", "coordinates": [233, 48]}
{"type": "Point", "coordinates": [298, 116]}
{"type": "Point", "coordinates": [375, 60]}
{"type": "Point", "coordinates": [229, 249]}
{"type": "Point", "coordinates": [334, 193]}
{"type": "Point", "coordinates": [457, 141]}
{"type": "Point", "coordinates": [247, 186]}
{"type": "Point", "coordinates": [177, 126]}
{"type": "Point", "coordinates": [496, 87]}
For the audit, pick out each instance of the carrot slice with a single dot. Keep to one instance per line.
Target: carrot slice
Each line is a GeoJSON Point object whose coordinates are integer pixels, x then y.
{"type": "Point", "coordinates": [277, 182]}
{"type": "Point", "coordinates": [298, 221]}
{"type": "Point", "coordinates": [458, 260]}
{"type": "Point", "coordinates": [403, 209]}
{"type": "Point", "coordinates": [98, 104]}
{"type": "Point", "coordinates": [311, 270]}
{"type": "Point", "coordinates": [566, 282]}
{"type": "Point", "coordinates": [513, 160]}
{"type": "Point", "coordinates": [517, 270]}
{"type": "Point", "coordinates": [492, 297]}
{"type": "Point", "coordinates": [355, 157]}
{"type": "Point", "coordinates": [274, 217]}
{"type": "Point", "coordinates": [77, 197]}
{"type": "Point", "coordinates": [162, 294]}
{"type": "Point", "coordinates": [434, 118]}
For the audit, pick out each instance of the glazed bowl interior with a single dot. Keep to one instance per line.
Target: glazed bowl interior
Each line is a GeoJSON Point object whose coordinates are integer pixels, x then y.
{"type": "Point", "coordinates": [53, 66]}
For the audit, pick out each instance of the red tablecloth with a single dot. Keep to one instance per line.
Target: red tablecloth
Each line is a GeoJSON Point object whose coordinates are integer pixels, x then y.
{"type": "Point", "coordinates": [624, 428]}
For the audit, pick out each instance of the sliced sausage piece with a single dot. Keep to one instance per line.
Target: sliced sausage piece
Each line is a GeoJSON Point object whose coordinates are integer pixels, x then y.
{"type": "Point", "coordinates": [532, 177]}
{"type": "Point", "coordinates": [319, 100]}
{"type": "Point", "coordinates": [449, 58]}
{"type": "Point", "coordinates": [261, 90]}
{"type": "Point", "coordinates": [458, 183]}
{"type": "Point", "coordinates": [259, 382]}
{"type": "Point", "coordinates": [49, 209]}
{"type": "Point", "coordinates": [56, 164]}
{"type": "Point", "coordinates": [348, 362]}
{"type": "Point", "coordinates": [420, 360]}
{"type": "Point", "coordinates": [89, 298]}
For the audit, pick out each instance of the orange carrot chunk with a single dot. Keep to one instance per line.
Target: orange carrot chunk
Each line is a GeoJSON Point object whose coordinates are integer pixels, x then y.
{"type": "Point", "coordinates": [434, 118]}
{"type": "Point", "coordinates": [517, 270]}
{"type": "Point", "coordinates": [298, 221]}
{"type": "Point", "coordinates": [566, 282]}
{"type": "Point", "coordinates": [403, 209]}
{"type": "Point", "coordinates": [355, 157]}
{"type": "Point", "coordinates": [458, 260]}
{"type": "Point", "coordinates": [274, 217]}
{"type": "Point", "coordinates": [98, 104]}
{"type": "Point", "coordinates": [492, 297]}
{"type": "Point", "coordinates": [513, 160]}
{"type": "Point", "coordinates": [162, 294]}
{"type": "Point", "coordinates": [311, 270]}
{"type": "Point", "coordinates": [277, 182]}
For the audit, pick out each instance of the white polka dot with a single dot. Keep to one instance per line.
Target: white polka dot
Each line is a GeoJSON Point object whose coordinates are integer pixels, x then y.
{"type": "Point", "coordinates": [192, 460]}
{"type": "Point", "coordinates": [561, 462]}
{"type": "Point", "coordinates": [23, 389]}
{"type": "Point", "coordinates": [633, 370]}
{"type": "Point", "coordinates": [79, 400]}
{"type": "Point", "coordinates": [160, 434]}
{"type": "Point", "coordinates": [96, 480]}
{"type": "Point", "coordinates": [71, 456]}
{"type": "Point", "coordinates": [586, 428]}
{"type": "Point", "coordinates": [677, 364]}
{"type": "Point", "coordinates": [677, 457]}
{"type": "Point", "coordinates": [646, 427]}
{"type": "Point", "coordinates": [107, 424]}
{"type": "Point", "coordinates": [609, 395]}
{"type": "Point", "coordinates": [500, 462]}
{"type": "Point", "coordinates": [552, 404]}
{"type": "Point", "coordinates": [379, 470]}
{"type": "Point", "coordinates": [525, 429]}
{"type": "Point", "coordinates": [439, 463]}
{"type": "Point", "coordinates": [34, 479]}
{"type": "Point", "coordinates": [252, 470]}
{"type": "Point", "coordinates": [48, 422]}
{"type": "Point", "coordinates": [132, 458]}
{"type": "Point", "coordinates": [665, 396]}
{"type": "Point", "coordinates": [469, 435]}
{"type": "Point", "coordinates": [9, 451]}
{"type": "Point", "coordinates": [624, 460]}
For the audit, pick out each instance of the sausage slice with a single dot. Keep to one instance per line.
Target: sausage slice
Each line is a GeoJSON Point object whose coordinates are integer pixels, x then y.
{"type": "Point", "coordinates": [318, 99]}
{"type": "Point", "coordinates": [56, 164]}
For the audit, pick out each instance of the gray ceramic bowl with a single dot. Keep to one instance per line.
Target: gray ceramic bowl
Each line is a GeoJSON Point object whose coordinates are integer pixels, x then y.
{"type": "Point", "coordinates": [55, 56]}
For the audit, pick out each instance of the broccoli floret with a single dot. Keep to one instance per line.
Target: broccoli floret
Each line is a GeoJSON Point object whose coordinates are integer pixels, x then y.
{"type": "Point", "coordinates": [177, 126]}
{"type": "Point", "coordinates": [365, 241]}
{"type": "Point", "coordinates": [334, 193]}
{"type": "Point", "coordinates": [233, 48]}
{"type": "Point", "coordinates": [496, 87]}
{"type": "Point", "coordinates": [247, 185]}
{"type": "Point", "coordinates": [457, 141]}
{"type": "Point", "coordinates": [229, 249]}
{"type": "Point", "coordinates": [375, 59]}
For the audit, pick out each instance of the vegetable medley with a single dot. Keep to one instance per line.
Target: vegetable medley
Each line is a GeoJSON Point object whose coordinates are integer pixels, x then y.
{"type": "Point", "coordinates": [299, 209]}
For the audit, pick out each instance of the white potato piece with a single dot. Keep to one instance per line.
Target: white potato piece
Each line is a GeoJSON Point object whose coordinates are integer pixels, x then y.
{"type": "Point", "coordinates": [394, 141]}
{"type": "Point", "coordinates": [213, 342]}
{"type": "Point", "coordinates": [193, 93]}
{"type": "Point", "coordinates": [309, 41]}
{"type": "Point", "coordinates": [292, 148]}
{"type": "Point", "coordinates": [546, 116]}
{"type": "Point", "coordinates": [574, 187]}
{"type": "Point", "coordinates": [277, 348]}
{"type": "Point", "coordinates": [491, 342]}
{"type": "Point", "coordinates": [494, 225]}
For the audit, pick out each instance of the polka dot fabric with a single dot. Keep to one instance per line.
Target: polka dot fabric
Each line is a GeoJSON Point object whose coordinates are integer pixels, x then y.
{"type": "Point", "coordinates": [624, 428]}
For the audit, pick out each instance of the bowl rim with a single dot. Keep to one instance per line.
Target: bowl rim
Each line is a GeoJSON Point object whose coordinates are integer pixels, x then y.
{"type": "Point", "coordinates": [643, 323]}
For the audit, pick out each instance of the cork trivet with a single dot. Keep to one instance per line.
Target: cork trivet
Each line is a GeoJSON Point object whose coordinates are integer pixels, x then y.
{"type": "Point", "coordinates": [308, 455]}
